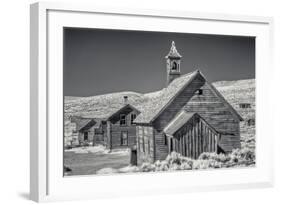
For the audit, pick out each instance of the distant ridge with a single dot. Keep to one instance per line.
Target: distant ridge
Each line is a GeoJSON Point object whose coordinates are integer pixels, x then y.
{"type": "Point", "coordinates": [235, 92]}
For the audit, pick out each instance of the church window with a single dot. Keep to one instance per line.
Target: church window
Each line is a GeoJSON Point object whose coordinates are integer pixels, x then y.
{"type": "Point", "coordinates": [175, 66]}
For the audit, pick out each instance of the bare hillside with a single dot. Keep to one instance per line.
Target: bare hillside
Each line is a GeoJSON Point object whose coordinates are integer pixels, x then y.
{"type": "Point", "coordinates": [242, 91]}
{"type": "Point", "coordinates": [235, 92]}
{"type": "Point", "coordinates": [99, 106]}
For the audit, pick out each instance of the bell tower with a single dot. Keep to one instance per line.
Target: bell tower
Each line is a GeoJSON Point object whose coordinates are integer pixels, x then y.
{"type": "Point", "coordinates": [173, 60]}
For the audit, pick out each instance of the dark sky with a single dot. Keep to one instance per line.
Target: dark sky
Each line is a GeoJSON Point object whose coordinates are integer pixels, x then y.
{"type": "Point", "coordinates": [104, 61]}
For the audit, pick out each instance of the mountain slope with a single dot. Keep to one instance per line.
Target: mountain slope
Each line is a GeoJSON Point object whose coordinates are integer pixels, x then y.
{"type": "Point", "coordinates": [235, 92]}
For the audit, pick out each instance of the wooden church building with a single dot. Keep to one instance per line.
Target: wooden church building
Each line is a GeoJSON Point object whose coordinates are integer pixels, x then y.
{"type": "Point", "coordinates": [189, 116]}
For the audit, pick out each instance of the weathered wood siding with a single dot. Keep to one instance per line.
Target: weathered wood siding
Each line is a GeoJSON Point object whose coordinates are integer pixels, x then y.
{"type": "Point", "coordinates": [209, 106]}
{"type": "Point", "coordinates": [98, 138]}
{"type": "Point", "coordinates": [104, 130]}
{"type": "Point", "coordinates": [114, 131]}
{"type": "Point", "coordinates": [161, 148]}
{"type": "Point", "coordinates": [108, 135]}
{"type": "Point", "coordinates": [194, 138]}
{"type": "Point", "coordinates": [71, 140]}
{"type": "Point", "coordinates": [90, 137]}
{"type": "Point", "coordinates": [145, 144]}
{"type": "Point", "coordinates": [217, 114]}
{"type": "Point", "coordinates": [177, 104]}
{"type": "Point", "coordinates": [169, 113]}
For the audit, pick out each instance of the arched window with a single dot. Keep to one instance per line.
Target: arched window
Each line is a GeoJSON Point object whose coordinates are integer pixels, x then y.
{"type": "Point", "coordinates": [175, 66]}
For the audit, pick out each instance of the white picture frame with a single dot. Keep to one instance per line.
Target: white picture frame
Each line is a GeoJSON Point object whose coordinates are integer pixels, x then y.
{"type": "Point", "coordinates": [46, 176]}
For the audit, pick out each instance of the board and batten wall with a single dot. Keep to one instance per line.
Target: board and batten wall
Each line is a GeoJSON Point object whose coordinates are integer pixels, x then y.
{"type": "Point", "coordinates": [169, 113]}
{"type": "Point", "coordinates": [194, 138]}
{"type": "Point", "coordinates": [209, 106]}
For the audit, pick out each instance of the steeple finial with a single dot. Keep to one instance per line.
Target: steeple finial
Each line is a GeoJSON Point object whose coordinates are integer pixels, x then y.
{"type": "Point", "coordinates": [173, 51]}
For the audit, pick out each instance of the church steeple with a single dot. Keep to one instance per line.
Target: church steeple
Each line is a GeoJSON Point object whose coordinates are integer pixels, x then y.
{"type": "Point", "coordinates": [173, 63]}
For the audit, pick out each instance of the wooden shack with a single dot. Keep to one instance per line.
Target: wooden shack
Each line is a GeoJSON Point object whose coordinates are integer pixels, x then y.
{"type": "Point", "coordinates": [189, 116]}
{"type": "Point", "coordinates": [120, 128]}
{"type": "Point", "coordinates": [85, 129]}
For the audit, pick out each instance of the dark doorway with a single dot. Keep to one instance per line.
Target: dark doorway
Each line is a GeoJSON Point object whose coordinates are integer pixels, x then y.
{"type": "Point", "coordinates": [85, 136]}
{"type": "Point", "coordinates": [133, 159]}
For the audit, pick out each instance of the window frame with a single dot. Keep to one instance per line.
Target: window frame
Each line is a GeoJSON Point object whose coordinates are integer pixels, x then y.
{"type": "Point", "coordinates": [199, 91]}
{"type": "Point", "coordinates": [244, 105]}
{"type": "Point", "coordinates": [175, 66]}
{"type": "Point", "coordinates": [122, 139]}
{"type": "Point", "coordinates": [121, 120]}
{"type": "Point", "coordinates": [133, 118]}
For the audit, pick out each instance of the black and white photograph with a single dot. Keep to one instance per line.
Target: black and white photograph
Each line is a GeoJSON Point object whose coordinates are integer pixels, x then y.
{"type": "Point", "coordinates": [141, 101]}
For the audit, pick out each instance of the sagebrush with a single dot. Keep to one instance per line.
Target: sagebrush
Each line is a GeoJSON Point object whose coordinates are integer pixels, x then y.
{"type": "Point", "coordinates": [175, 161]}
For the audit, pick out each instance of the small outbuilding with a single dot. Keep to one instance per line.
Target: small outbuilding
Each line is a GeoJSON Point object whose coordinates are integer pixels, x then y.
{"type": "Point", "coordinates": [85, 128]}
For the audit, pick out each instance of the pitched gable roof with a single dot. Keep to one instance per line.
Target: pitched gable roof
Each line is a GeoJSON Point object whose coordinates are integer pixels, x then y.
{"type": "Point", "coordinates": [157, 103]}
{"type": "Point", "coordinates": [124, 108]}
{"type": "Point", "coordinates": [154, 107]}
{"type": "Point", "coordinates": [83, 123]}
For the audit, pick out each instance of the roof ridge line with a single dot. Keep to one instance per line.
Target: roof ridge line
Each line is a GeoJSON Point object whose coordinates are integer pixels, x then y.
{"type": "Point", "coordinates": [163, 108]}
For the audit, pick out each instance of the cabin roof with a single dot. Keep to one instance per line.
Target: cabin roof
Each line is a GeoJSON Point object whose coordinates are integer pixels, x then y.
{"type": "Point", "coordinates": [125, 108]}
{"type": "Point", "coordinates": [85, 123]}
{"type": "Point", "coordinates": [98, 123]}
{"type": "Point", "coordinates": [158, 102]}
{"type": "Point", "coordinates": [178, 122]}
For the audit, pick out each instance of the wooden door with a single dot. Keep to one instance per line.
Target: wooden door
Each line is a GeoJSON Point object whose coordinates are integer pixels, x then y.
{"type": "Point", "coordinates": [133, 157]}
